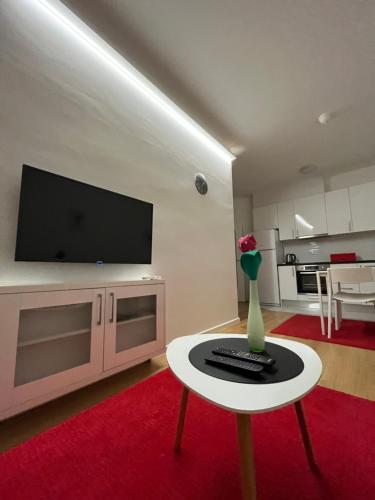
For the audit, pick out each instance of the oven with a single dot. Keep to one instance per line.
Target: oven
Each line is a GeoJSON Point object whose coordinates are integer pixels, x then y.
{"type": "Point", "coordinates": [306, 279]}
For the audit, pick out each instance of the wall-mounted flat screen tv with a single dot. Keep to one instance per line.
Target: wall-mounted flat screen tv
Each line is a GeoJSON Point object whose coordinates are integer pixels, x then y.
{"type": "Point", "coordinates": [63, 220]}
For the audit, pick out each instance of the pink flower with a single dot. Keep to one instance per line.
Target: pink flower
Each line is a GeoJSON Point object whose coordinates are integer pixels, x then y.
{"type": "Point", "coordinates": [247, 243]}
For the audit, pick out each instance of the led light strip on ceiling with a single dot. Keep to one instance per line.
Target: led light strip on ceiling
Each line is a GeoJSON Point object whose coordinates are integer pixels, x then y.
{"type": "Point", "coordinates": [61, 13]}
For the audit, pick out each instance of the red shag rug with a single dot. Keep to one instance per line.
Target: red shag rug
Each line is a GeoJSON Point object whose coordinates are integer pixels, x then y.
{"type": "Point", "coordinates": [352, 333]}
{"type": "Point", "coordinates": [123, 449]}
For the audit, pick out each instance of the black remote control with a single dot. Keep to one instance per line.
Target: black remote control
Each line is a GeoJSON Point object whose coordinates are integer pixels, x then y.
{"type": "Point", "coordinates": [234, 364]}
{"type": "Point", "coordinates": [244, 356]}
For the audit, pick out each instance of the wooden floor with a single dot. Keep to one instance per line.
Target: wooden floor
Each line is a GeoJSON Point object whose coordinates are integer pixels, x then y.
{"type": "Point", "coordinates": [346, 369]}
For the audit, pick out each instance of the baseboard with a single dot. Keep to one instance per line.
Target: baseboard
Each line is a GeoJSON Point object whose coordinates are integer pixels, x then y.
{"type": "Point", "coordinates": [271, 308]}
{"type": "Point", "coordinates": [234, 321]}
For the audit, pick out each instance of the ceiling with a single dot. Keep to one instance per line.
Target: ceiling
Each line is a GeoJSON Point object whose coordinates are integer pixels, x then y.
{"type": "Point", "coordinates": [257, 74]}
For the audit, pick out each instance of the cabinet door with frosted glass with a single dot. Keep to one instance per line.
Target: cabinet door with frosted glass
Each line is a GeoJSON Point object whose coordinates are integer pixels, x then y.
{"type": "Point", "coordinates": [135, 323]}
{"type": "Point", "coordinates": [49, 340]}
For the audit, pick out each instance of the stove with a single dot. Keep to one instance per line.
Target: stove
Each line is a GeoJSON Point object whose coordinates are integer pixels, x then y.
{"type": "Point", "coordinates": [306, 279]}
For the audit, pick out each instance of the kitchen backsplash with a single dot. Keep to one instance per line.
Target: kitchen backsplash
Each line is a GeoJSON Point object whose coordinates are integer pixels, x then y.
{"type": "Point", "coordinates": [319, 249]}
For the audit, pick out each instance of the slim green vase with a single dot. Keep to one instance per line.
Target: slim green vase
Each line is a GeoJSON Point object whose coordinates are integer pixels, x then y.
{"type": "Point", "coordinates": [255, 325]}
{"type": "Point", "coordinates": [250, 263]}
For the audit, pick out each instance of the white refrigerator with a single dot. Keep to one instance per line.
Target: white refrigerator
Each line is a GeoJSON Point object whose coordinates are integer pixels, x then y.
{"type": "Point", "coordinates": [268, 277]}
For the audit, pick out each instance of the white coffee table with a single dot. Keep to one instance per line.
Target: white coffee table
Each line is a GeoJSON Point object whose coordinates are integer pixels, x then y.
{"type": "Point", "coordinates": [244, 399]}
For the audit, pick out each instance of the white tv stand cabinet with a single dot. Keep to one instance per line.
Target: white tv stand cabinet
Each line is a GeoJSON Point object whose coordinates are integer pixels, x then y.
{"type": "Point", "coordinates": [56, 338]}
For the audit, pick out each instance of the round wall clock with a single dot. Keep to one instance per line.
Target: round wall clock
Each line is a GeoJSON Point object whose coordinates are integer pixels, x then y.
{"type": "Point", "coordinates": [201, 183]}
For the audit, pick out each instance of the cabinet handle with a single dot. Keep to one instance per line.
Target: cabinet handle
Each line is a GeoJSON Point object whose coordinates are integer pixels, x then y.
{"type": "Point", "coordinates": [112, 295]}
{"type": "Point", "coordinates": [293, 271]}
{"type": "Point", "coordinates": [100, 297]}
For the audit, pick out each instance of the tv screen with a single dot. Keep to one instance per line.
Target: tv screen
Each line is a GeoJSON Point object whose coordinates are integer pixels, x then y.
{"type": "Point", "coordinates": [62, 220]}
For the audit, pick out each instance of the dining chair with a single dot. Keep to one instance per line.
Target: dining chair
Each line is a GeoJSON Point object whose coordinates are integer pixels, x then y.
{"type": "Point", "coordinates": [342, 277]}
{"type": "Point", "coordinates": [319, 276]}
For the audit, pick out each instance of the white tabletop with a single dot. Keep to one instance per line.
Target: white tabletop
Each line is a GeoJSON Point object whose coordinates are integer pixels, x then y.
{"type": "Point", "coordinates": [238, 397]}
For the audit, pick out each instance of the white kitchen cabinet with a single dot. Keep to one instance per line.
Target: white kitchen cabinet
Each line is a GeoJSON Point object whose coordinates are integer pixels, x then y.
{"type": "Point", "coordinates": [265, 217]}
{"type": "Point", "coordinates": [288, 283]}
{"type": "Point", "coordinates": [362, 202]}
{"type": "Point", "coordinates": [339, 218]}
{"type": "Point", "coordinates": [285, 214]}
{"type": "Point", "coordinates": [310, 216]}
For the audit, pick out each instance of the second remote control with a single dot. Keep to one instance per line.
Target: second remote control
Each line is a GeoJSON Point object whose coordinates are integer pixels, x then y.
{"type": "Point", "coordinates": [244, 356]}
{"type": "Point", "coordinates": [234, 364]}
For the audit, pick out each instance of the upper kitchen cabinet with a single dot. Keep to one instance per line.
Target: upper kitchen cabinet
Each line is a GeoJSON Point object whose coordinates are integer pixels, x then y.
{"type": "Point", "coordinates": [310, 216]}
{"type": "Point", "coordinates": [362, 202]}
{"type": "Point", "coordinates": [339, 218]}
{"type": "Point", "coordinates": [265, 217]}
{"type": "Point", "coordinates": [285, 214]}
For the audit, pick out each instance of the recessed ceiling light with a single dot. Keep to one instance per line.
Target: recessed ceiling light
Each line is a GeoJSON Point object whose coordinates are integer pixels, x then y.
{"type": "Point", "coordinates": [308, 169]}
{"type": "Point", "coordinates": [237, 149]}
{"type": "Point", "coordinates": [324, 118]}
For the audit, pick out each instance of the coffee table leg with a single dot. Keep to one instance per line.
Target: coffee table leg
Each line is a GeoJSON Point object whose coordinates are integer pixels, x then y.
{"type": "Point", "coordinates": [181, 418]}
{"type": "Point", "coordinates": [245, 440]}
{"type": "Point", "coordinates": [305, 434]}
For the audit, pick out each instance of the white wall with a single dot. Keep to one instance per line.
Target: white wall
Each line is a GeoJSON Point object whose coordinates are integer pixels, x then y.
{"type": "Point", "coordinates": [65, 110]}
{"type": "Point", "coordinates": [243, 220]}
{"type": "Point", "coordinates": [290, 190]}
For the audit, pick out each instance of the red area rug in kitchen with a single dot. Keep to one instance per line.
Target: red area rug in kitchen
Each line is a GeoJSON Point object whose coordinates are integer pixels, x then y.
{"type": "Point", "coordinates": [123, 449]}
{"type": "Point", "coordinates": [352, 333]}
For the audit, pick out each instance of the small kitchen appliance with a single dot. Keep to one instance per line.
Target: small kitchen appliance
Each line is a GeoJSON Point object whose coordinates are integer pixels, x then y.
{"type": "Point", "coordinates": [290, 258]}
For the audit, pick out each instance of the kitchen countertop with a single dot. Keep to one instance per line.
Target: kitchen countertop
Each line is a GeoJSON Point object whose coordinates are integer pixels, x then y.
{"type": "Point", "coordinates": [327, 262]}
